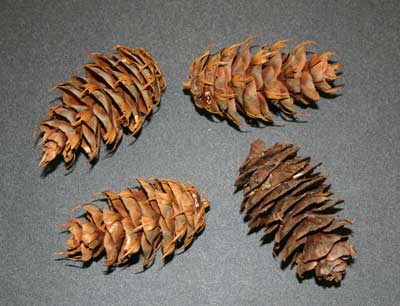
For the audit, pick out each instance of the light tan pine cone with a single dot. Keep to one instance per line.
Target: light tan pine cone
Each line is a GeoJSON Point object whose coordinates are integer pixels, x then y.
{"type": "Point", "coordinates": [233, 80]}
{"type": "Point", "coordinates": [117, 93]}
{"type": "Point", "coordinates": [161, 213]}
{"type": "Point", "coordinates": [283, 196]}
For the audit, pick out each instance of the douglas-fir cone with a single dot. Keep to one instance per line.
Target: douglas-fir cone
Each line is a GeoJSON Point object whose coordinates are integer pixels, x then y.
{"type": "Point", "coordinates": [118, 93]}
{"type": "Point", "coordinates": [161, 213]}
{"type": "Point", "coordinates": [283, 196]}
{"type": "Point", "coordinates": [233, 80]}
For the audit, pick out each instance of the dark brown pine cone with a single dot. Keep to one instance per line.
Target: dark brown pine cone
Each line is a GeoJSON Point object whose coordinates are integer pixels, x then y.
{"type": "Point", "coordinates": [289, 201]}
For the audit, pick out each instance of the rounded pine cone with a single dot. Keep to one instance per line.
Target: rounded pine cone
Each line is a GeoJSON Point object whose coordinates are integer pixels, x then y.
{"type": "Point", "coordinates": [161, 213]}
{"type": "Point", "coordinates": [284, 196]}
{"type": "Point", "coordinates": [118, 92]}
{"type": "Point", "coordinates": [233, 80]}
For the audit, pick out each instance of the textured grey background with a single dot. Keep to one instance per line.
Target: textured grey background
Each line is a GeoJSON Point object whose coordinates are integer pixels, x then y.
{"type": "Point", "coordinates": [356, 135]}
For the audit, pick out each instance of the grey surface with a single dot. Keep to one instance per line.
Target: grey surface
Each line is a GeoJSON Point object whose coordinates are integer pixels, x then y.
{"type": "Point", "coordinates": [356, 135]}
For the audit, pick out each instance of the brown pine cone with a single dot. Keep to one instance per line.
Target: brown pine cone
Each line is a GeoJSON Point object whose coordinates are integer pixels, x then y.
{"type": "Point", "coordinates": [118, 92]}
{"type": "Point", "coordinates": [233, 80]}
{"type": "Point", "coordinates": [162, 213]}
{"type": "Point", "coordinates": [284, 196]}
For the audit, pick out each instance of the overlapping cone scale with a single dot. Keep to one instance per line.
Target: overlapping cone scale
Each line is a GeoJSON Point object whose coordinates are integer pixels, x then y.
{"type": "Point", "coordinates": [234, 81]}
{"type": "Point", "coordinates": [284, 197]}
{"type": "Point", "coordinates": [161, 213]}
{"type": "Point", "coordinates": [117, 93]}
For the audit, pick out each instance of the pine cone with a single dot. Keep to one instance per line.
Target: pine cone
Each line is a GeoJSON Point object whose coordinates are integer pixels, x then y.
{"type": "Point", "coordinates": [284, 196]}
{"type": "Point", "coordinates": [233, 80]}
{"type": "Point", "coordinates": [118, 92]}
{"type": "Point", "coordinates": [161, 213]}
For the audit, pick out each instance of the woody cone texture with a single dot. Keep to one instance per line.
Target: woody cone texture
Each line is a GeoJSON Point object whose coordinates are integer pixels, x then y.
{"type": "Point", "coordinates": [117, 93]}
{"type": "Point", "coordinates": [283, 196]}
{"type": "Point", "coordinates": [161, 213]}
{"type": "Point", "coordinates": [233, 80]}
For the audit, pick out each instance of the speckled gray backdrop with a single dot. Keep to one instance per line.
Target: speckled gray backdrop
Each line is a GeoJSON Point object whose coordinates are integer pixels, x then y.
{"type": "Point", "coordinates": [356, 135]}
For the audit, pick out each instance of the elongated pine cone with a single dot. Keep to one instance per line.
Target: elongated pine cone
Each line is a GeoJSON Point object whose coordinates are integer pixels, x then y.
{"type": "Point", "coordinates": [284, 196]}
{"type": "Point", "coordinates": [233, 80]}
{"type": "Point", "coordinates": [118, 92]}
{"type": "Point", "coordinates": [160, 213]}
